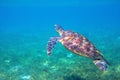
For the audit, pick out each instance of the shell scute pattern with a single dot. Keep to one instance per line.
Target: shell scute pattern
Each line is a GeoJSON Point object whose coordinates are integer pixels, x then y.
{"type": "Point", "coordinates": [78, 44]}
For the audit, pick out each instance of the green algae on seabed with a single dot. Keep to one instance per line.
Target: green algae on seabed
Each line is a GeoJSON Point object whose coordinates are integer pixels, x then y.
{"type": "Point", "coordinates": [32, 63]}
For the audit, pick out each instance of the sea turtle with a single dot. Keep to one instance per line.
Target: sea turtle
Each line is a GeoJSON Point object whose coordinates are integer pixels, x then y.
{"type": "Point", "coordinates": [78, 44]}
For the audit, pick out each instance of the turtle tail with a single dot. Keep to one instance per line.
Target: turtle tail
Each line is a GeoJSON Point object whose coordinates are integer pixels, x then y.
{"type": "Point", "coordinates": [51, 43]}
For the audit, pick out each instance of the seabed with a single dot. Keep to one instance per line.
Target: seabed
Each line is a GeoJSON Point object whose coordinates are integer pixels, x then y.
{"type": "Point", "coordinates": [25, 58]}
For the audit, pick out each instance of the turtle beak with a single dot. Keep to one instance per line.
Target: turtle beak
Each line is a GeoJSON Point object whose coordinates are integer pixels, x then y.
{"type": "Point", "coordinates": [58, 29]}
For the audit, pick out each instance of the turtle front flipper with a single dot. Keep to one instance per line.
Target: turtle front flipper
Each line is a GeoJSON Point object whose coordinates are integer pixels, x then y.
{"type": "Point", "coordinates": [51, 43]}
{"type": "Point", "coordinates": [101, 64]}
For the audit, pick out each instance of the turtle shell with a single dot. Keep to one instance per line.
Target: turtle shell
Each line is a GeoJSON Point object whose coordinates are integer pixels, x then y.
{"type": "Point", "coordinates": [79, 44]}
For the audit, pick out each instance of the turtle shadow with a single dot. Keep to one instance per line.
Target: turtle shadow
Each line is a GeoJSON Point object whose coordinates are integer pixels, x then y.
{"type": "Point", "coordinates": [73, 77]}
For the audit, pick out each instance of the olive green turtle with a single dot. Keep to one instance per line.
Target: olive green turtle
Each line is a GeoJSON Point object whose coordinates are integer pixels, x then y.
{"type": "Point", "coordinates": [78, 44]}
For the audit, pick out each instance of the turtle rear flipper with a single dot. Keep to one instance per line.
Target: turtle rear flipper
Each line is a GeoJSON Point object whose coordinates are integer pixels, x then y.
{"type": "Point", "coordinates": [101, 64]}
{"type": "Point", "coordinates": [51, 43]}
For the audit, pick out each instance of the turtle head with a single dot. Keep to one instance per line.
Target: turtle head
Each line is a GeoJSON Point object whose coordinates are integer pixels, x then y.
{"type": "Point", "coordinates": [101, 64]}
{"type": "Point", "coordinates": [59, 29]}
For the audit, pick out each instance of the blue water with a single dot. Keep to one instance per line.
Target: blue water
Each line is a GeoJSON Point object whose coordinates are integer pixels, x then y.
{"type": "Point", "coordinates": [26, 26]}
